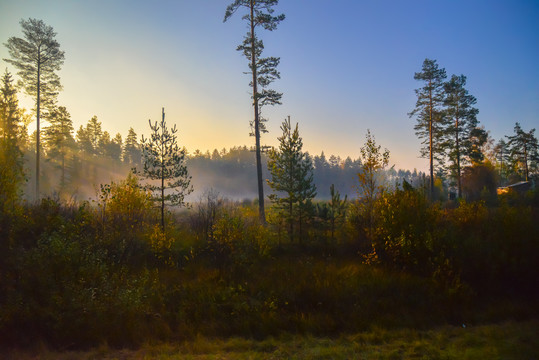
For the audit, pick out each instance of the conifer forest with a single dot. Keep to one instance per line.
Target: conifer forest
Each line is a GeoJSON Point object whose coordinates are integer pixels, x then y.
{"type": "Point", "coordinates": [133, 241]}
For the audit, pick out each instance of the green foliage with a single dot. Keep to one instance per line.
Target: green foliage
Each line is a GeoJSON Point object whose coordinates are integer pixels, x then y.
{"type": "Point", "coordinates": [264, 70]}
{"type": "Point", "coordinates": [11, 157]}
{"type": "Point", "coordinates": [37, 56]}
{"type": "Point", "coordinates": [62, 287]}
{"type": "Point", "coordinates": [291, 179]}
{"type": "Point", "coordinates": [332, 214]}
{"type": "Point", "coordinates": [471, 244]}
{"type": "Point", "coordinates": [164, 162]}
{"type": "Point", "coordinates": [406, 231]}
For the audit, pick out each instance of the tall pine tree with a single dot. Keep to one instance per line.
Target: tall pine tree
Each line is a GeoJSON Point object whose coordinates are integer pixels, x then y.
{"type": "Point", "coordinates": [430, 115]}
{"type": "Point", "coordinates": [37, 57]}
{"type": "Point", "coordinates": [462, 127]}
{"type": "Point", "coordinates": [259, 13]}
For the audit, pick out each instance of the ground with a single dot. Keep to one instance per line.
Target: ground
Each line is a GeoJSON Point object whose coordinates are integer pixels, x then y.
{"type": "Point", "coordinates": [509, 340]}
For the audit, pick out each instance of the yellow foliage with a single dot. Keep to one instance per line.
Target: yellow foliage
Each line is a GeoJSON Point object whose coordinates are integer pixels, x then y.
{"type": "Point", "coordinates": [161, 245]}
{"type": "Point", "coordinates": [129, 203]}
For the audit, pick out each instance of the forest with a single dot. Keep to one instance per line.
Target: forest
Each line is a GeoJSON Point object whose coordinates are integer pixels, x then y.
{"type": "Point", "coordinates": [134, 240]}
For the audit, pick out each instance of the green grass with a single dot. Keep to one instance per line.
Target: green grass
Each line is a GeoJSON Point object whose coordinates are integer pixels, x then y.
{"type": "Point", "coordinates": [510, 340]}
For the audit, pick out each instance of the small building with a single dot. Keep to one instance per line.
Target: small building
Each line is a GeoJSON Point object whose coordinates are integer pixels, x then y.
{"type": "Point", "coordinates": [520, 187]}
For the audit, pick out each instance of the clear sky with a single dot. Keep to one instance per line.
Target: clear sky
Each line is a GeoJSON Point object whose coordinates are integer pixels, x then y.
{"type": "Point", "coordinates": [346, 66]}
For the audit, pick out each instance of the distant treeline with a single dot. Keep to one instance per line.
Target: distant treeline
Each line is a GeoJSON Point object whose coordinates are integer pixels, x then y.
{"type": "Point", "coordinates": [75, 168]}
{"type": "Point", "coordinates": [230, 172]}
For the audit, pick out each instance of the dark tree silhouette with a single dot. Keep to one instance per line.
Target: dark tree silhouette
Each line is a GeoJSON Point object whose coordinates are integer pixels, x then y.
{"type": "Point", "coordinates": [263, 71]}
{"type": "Point", "coordinates": [523, 147]}
{"type": "Point", "coordinates": [462, 126]}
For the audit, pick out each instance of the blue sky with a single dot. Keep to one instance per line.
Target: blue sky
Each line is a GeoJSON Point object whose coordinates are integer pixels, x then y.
{"type": "Point", "coordinates": [346, 66]}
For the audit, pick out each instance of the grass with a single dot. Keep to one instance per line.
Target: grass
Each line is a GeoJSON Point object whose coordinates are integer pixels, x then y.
{"type": "Point", "coordinates": [510, 340]}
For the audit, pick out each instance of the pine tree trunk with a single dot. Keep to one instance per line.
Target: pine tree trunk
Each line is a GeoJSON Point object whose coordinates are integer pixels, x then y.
{"type": "Point", "coordinates": [290, 219]}
{"type": "Point", "coordinates": [431, 144]}
{"type": "Point", "coordinates": [300, 223]}
{"type": "Point", "coordinates": [526, 159]}
{"type": "Point", "coordinates": [38, 105]}
{"type": "Point", "coordinates": [458, 156]}
{"type": "Point", "coordinates": [62, 181]}
{"type": "Point", "coordinates": [163, 176]}
{"type": "Point", "coordinates": [261, 212]}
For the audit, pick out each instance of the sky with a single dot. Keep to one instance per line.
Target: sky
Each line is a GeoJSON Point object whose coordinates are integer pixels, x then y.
{"type": "Point", "coordinates": [346, 66]}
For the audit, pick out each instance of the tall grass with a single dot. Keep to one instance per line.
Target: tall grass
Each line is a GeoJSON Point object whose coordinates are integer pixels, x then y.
{"type": "Point", "coordinates": [505, 341]}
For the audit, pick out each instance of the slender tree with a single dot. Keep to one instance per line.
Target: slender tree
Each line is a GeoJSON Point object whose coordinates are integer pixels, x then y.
{"type": "Point", "coordinates": [164, 164]}
{"type": "Point", "coordinates": [462, 132]}
{"type": "Point", "coordinates": [371, 178]}
{"type": "Point", "coordinates": [292, 178]}
{"type": "Point", "coordinates": [429, 114]}
{"type": "Point", "coordinates": [523, 148]}
{"type": "Point", "coordinates": [37, 57]}
{"type": "Point", "coordinates": [263, 70]}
